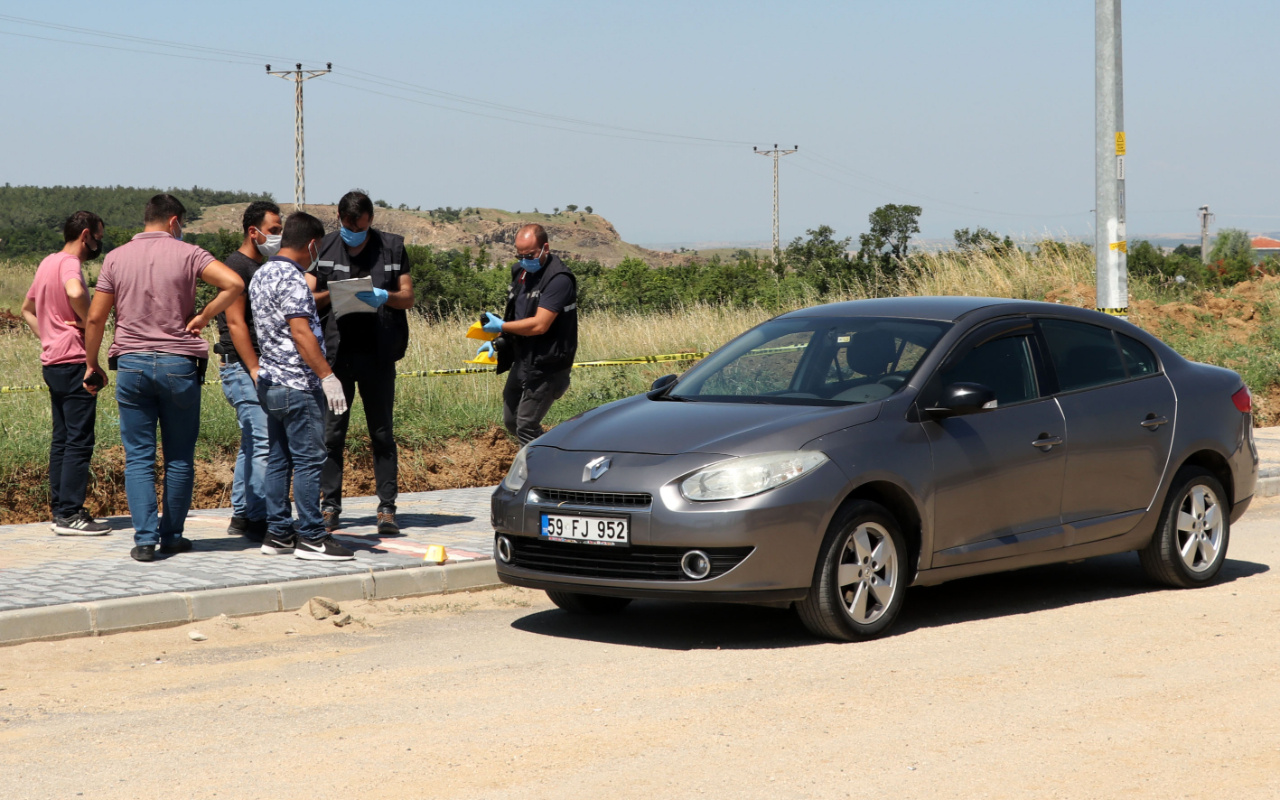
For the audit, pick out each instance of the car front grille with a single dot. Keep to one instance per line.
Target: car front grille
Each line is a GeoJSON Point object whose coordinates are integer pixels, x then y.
{"type": "Point", "coordinates": [641, 563]}
{"type": "Point", "coordinates": [614, 499]}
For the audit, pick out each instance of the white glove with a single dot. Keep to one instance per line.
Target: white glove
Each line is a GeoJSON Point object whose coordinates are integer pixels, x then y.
{"type": "Point", "coordinates": [333, 393]}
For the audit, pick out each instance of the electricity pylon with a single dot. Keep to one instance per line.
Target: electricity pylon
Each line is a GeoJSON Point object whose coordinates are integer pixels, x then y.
{"type": "Point", "coordinates": [776, 153]}
{"type": "Point", "coordinates": [299, 171]}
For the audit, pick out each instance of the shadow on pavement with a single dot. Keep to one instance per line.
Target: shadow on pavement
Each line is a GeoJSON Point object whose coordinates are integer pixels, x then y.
{"type": "Point", "coordinates": [677, 626]}
{"type": "Point", "coordinates": [1038, 589]}
{"type": "Point", "coordinates": [708, 626]}
{"type": "Point", "coordinates": [410, 520]}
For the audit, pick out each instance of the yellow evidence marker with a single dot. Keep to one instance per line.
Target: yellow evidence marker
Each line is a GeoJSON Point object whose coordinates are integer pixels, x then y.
{"type": "Point", "coordinates": [435, 554]}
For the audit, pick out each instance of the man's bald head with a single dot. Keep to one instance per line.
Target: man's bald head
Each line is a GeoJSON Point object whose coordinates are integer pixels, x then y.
{"type": "Point", "coordinates": [531, 237]}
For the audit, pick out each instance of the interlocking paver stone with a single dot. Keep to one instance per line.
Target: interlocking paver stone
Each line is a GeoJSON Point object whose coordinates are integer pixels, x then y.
{"type": "Point", "coordinates": [39, 569]}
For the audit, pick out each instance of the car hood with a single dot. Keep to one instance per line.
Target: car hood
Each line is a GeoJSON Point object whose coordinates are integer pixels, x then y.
{"type": "Point", "coordinates": [658, 427]}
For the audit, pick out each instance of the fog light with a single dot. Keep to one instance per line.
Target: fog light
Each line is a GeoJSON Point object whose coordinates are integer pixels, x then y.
{"type": "Point", "coordinates": [503, 550]}
{"type": "Point", "coordinates": [696, 564]}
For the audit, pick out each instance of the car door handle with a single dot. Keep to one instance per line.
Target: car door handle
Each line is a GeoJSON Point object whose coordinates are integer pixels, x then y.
{"type": "Point", "coordinates": [1046, 442]}
{"type": "Point", "coordinates": [1153, 422]}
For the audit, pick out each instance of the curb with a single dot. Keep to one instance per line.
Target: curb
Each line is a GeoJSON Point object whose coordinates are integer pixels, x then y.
{"type": "Point", "coordinates": [173, 608]}
{"type": "Point", "coordinates": [1267, 486]}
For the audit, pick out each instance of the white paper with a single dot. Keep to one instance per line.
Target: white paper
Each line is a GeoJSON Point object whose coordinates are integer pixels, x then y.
{"type": "Point", "coordinates": [342, 296]}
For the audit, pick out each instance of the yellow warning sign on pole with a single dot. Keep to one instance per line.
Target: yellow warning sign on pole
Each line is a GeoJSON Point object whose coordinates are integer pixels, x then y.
{"type": "Point", "coordinates": [1120, 143]}
{"type": "Point", "coordinates": [1123, 247]}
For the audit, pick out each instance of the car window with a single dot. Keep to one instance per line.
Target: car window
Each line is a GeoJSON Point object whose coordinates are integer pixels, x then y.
{"type": "Point", "coordinates": [762, 370]}
{"type": "Point", "coordinates": [1083, 355]}
{"type": "Point", "coordinates": [813, 361]}
{"type": "Point", "coordinates": [1004, 366]}
{"type": "Point", "coordinates": [1138, 358]}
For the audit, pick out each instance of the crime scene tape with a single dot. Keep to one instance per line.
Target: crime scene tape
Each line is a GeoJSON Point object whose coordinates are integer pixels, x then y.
{"type": "Point", "coordinates": [437, 373]}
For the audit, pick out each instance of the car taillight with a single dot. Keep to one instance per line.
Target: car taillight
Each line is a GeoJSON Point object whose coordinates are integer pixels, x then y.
{"type": "Point", "coordinates": [1243, 400]}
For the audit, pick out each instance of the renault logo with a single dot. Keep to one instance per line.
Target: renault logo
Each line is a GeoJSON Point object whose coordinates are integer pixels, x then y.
{"type": "Point", "coordinates": [595, 468]}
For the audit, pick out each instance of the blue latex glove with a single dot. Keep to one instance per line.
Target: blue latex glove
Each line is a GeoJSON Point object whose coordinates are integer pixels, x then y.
{"type": "Point", "coordinates": [487, 347]}
{"type": "Point", "coordinates": [374, 298]}
{"type": "Point", "coordinates": [492, 323]}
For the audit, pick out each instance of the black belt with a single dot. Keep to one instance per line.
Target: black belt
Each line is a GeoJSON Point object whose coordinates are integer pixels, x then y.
{"type": "Point", "coordinates": [230, 358]}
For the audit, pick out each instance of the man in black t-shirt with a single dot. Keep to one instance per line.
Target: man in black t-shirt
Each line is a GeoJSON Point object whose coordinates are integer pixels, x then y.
{"type": "Point", "coordinates": [238, 348]}
{"type": "Point", "coordinates": [539, 334]}
{"type": "Point", "coordinates": [363, 347]}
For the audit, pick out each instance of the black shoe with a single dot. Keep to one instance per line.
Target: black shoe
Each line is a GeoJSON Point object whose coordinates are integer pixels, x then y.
{"type": "Point", "coordinates": [238, 526]}
{"type": "Point", "coordinates": [144, 552]}
{"type": "Point", "coordinates": [257, 530]}
{"type": "Point", "coordinates": [387, 524]}
{"type": "Point", "coordinates": [322, 549]}
{"type": "Point", "coordinates": [79, 524]}
{"type": "Point", "coordinates": [277, 545]}
{"type": "Point", "coordinates": [180, 545]}
{"type": "Point", "coordinates": [330, 519]}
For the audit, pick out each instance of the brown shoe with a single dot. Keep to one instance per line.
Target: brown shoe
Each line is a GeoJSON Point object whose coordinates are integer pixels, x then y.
{"type": "Point", "coordinates": [330, 519]}
{"type": "Point", "coordinates": [387, 524]}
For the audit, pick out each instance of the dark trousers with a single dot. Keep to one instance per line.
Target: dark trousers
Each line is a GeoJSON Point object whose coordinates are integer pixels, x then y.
{"type": "Point", "coordinates": [75, 413]}
{"type": "Point", "coordinates": [526, 402]}
{"type": "Point", "coordinates": [377, 383]}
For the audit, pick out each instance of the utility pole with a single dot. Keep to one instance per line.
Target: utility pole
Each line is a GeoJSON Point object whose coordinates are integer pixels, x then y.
{"type": "Point", "coordinates": [1110, 248]}
{"type": "Point", "coordinates": [1205, 219]}
{"type": "Point", "coordinates": [299, 172]}
{"type": "Point", "coordinates": [776, 153]}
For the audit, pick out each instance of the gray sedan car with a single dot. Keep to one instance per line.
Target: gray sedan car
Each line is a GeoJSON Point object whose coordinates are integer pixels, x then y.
{"type": "Point", "coordinates": [831, 457]}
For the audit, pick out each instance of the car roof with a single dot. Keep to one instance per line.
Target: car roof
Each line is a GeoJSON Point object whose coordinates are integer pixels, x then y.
{"type": "Point", "coordinates": [943, 309]}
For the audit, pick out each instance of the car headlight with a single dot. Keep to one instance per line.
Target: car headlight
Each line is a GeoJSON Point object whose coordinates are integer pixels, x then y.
{"type": "Point", "coordinates": [518, 473]}
{"type": "Point", "coordinates": [743, 477]}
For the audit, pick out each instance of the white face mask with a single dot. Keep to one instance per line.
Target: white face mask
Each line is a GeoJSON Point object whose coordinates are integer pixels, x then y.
{"type": "Point", "coordinates": [271, 246]}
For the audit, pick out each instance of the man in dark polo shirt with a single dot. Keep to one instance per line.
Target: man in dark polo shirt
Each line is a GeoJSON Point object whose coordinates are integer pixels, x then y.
{"type": "Point", "coordinates": [539, 334]}
{"type": "Point", "coordinates": [363, 347]}
{"type": "Point", "coordinates": [238, 348]}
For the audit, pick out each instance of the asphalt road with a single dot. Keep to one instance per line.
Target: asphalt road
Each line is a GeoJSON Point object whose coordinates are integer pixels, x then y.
{"type": "Point", "coordinates": [1067, 681]}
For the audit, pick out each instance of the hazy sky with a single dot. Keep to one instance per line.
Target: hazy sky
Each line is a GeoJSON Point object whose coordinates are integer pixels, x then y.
{"type": "Point", "coordinates": [980, 112]}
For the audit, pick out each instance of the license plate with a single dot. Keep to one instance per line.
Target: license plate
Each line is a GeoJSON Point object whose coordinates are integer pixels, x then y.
{"type": "Point", "coordinates": [591, 530]}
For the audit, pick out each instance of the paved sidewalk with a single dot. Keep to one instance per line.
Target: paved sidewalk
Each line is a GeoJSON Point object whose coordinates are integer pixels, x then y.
{"type": "Point", "coordinates": [53, 586]}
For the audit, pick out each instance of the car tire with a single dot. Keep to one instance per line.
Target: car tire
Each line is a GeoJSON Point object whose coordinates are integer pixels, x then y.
{"type": "Point", "coordinates": [593, 604]}
{"type": "Point", "coordinates": [1189, 545]}
{"type": "Point", "coordinates": [861, 578]}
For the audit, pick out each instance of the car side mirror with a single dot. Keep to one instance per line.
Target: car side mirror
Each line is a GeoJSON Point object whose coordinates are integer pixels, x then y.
{"type": "Point", "coordinates": [661, 385]}
{"type": "Point", "coordinates": [960, 399]}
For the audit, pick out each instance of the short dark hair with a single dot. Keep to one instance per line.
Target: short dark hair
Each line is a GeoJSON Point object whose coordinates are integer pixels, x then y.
{"type": "Point", "coordinates": [353, 205]}
{"type": "Point", "coordinates": [257, 212]}
{"type": "Point", "coordinates": [539, 232]}
{"type": "Point", "coordinates": [78, 223]}
{"type": "Point", "coordinates": [163, 206]}
{"type": "Point", "coordinates": [299, 229]}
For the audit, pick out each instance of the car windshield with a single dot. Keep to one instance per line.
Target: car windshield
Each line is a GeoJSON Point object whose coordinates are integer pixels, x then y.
{"type": "Point", "coordinates": [813, 361]}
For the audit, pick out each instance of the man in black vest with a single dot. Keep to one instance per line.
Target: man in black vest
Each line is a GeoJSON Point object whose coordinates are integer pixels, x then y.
{"type": "Point", "coordinates": [539, 334]}
{"type": "Point", "coordinates": [363, 347]}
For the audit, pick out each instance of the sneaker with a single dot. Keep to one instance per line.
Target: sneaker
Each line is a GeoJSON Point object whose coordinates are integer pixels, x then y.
{"type": "Point", "coordinates": [330, 519]}
{"type": "Point", "coordinates": [387, 524]}
{"type": "Point", "coordinates": [257, 530]}
{"type": "Point", "coordinates": [145, 552]}
{"type": "Point", "coordinates": [277, 545]}
{"type": "Point", "coordinates": [180, 545]}
{"type": "Point", "coordinates": [238, 526]}
{"type": "Point", "coordinates": [79, 524]}
{"type": "Point", "coordinates": [322, 549]}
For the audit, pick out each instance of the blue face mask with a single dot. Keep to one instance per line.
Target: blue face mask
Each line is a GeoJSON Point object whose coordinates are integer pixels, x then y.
{"type": "Point", "coordinates": [353, 239]}
{"type": "Point", "coordinates": [530, 264]}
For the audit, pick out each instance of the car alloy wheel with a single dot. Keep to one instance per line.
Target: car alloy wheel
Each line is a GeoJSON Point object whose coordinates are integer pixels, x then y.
{"type": "Point", "coordinates": [1189, 545]}
{"type": "Point", "coordinates": [860, 581]}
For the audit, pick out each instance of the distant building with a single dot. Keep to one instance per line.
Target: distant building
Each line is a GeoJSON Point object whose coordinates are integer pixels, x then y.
{"type": "Point", "coordinates": [1265, 246]}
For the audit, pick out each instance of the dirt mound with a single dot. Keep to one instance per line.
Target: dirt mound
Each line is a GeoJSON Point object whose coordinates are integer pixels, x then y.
{"type": "Point", "coordinates": [1237, 310]}
{"type": "Point", "coordinates": [10, 321]}
{"type": "Point", "coordinates": [460, 463]}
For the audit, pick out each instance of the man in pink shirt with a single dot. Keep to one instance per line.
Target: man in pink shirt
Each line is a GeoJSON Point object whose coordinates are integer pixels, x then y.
{"type": "Point", "coordinates": [56, 307]}
{"type": "Point", "coordinates": [160, 360]}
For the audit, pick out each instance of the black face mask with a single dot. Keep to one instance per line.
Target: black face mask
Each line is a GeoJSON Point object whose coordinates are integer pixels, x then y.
{"type": "Point", "coordinates": [94, 247]}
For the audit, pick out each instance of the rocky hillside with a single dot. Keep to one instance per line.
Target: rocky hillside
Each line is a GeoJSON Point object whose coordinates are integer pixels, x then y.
{"type": "Point", "coordinates": [576, 235]}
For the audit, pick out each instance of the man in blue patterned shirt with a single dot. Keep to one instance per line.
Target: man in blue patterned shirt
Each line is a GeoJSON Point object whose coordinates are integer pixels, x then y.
{"type": "Point", "coordinates": [295, 385]}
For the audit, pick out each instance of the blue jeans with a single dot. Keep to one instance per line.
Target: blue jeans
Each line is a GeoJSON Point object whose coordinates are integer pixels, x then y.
{"type": "Point", "coordinates": [295, 429]}
{"type": "Point", "coordinates": [248, 489]}
{"type": "Point", "coordinates": [164, 388]}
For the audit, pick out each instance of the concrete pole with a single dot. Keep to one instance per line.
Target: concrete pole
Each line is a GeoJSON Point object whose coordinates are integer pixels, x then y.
{"type": "Point", "coordinates": [1205, 219]}
{"type": "Point", "coordinates": [1110, 246]}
